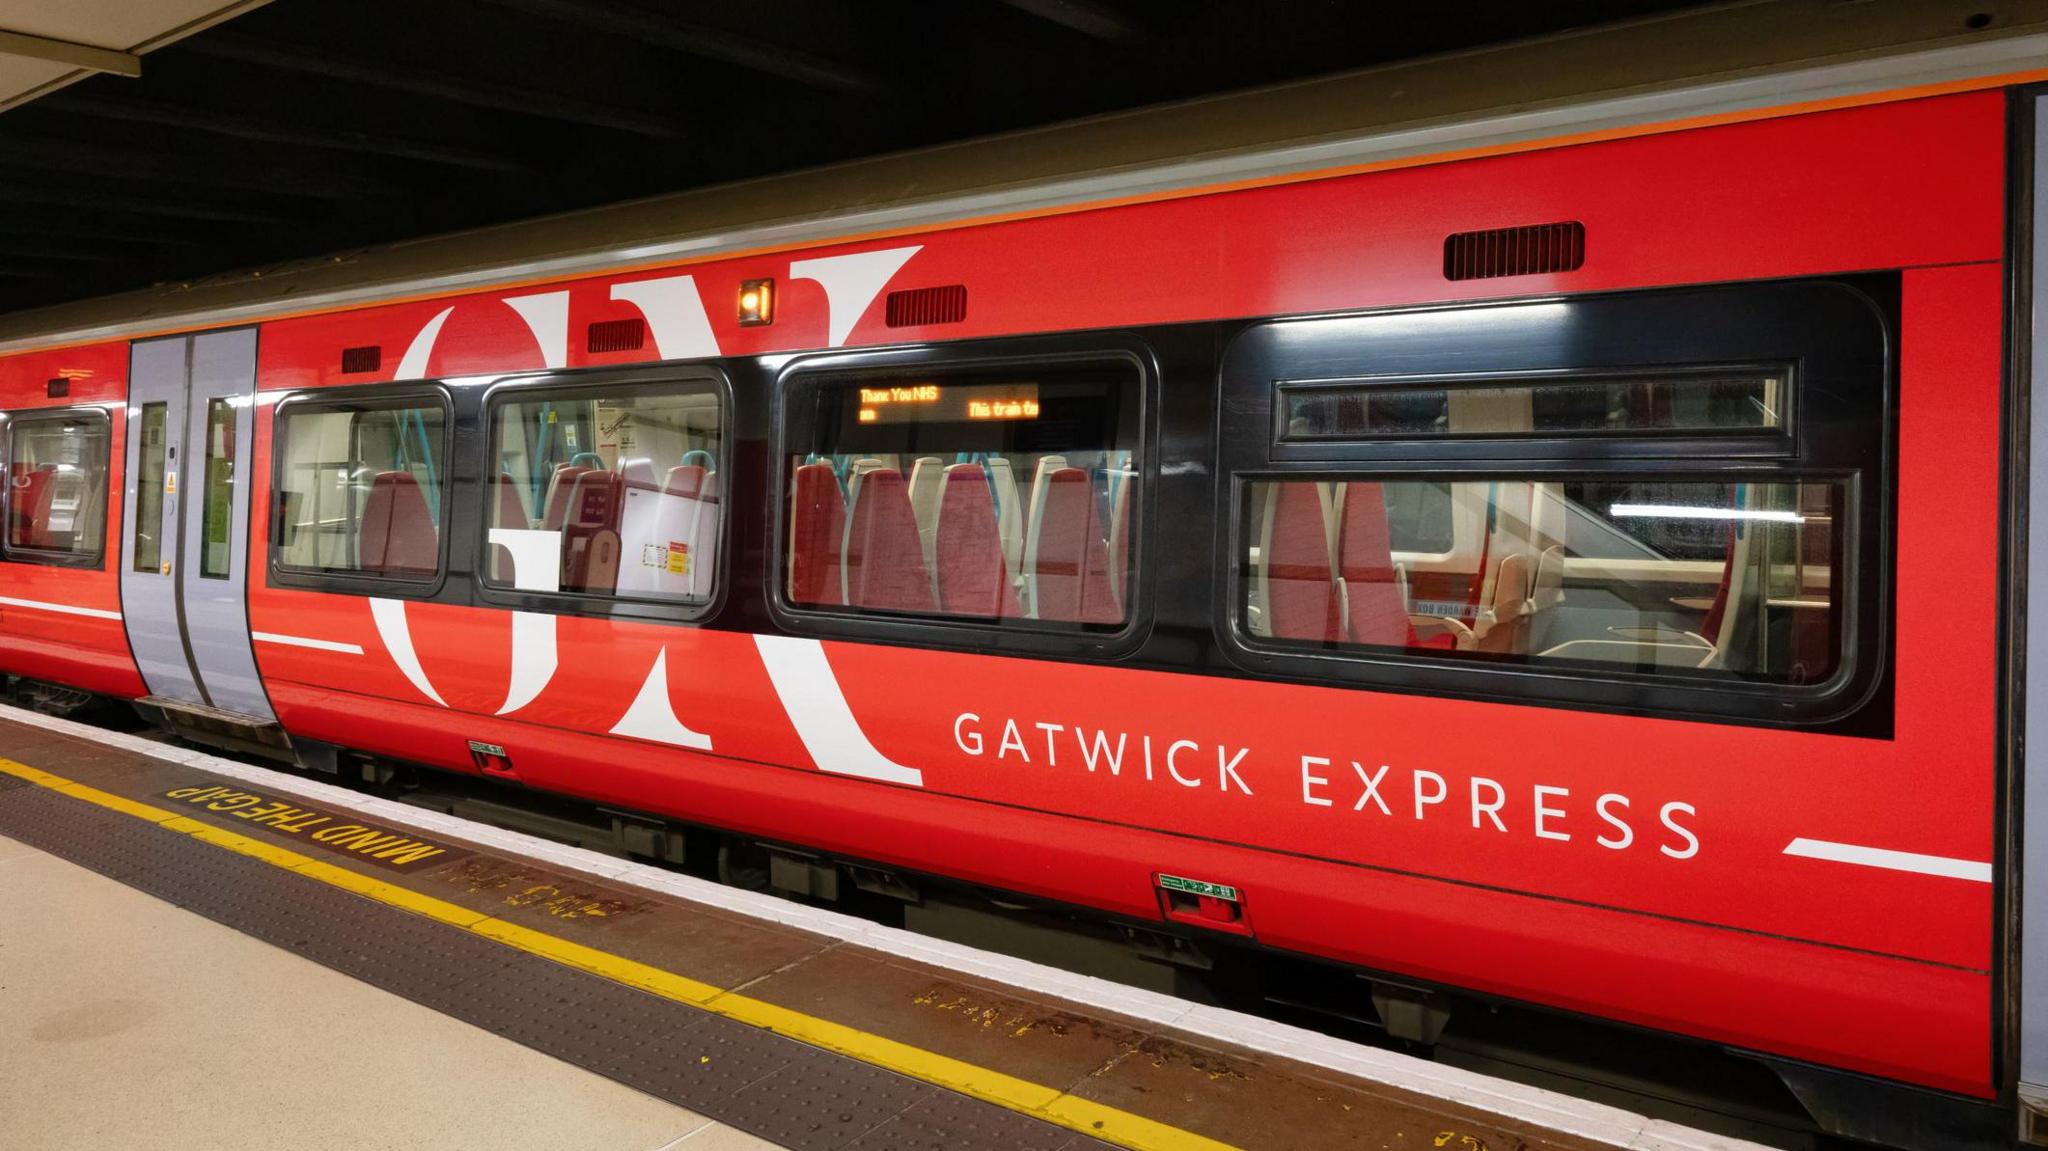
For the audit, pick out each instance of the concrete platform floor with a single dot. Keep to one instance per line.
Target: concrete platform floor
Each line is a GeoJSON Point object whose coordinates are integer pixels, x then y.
{"type": "Point", "coordinates": [125, 1021]}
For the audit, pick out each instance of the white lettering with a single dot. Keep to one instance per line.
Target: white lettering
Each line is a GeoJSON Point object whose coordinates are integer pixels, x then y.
{"type": "Point", "coordinates": [1012, 738]}
{"type": "Point", "coordinates": [1226, 770]}
{"type": "Point", "coordinates": [967, 717]}
{"type": "Point", "coordinates": [1489, 810]}
{"type": "Point", "coordinates": [1442, 790]}
{"type": "Point", "coordinates": [1107, 751]}
{"type": "Point", "coordinates": [1692, 842]}
{"type": "Point", "coordinates": [1628, 834]}
{"type": "Point", "coordinates": [1099, 750]}
{"type": "Point", "coordinates": [1372, 788]}
{"type": "Point", "coordinates": [1310, 781]}
{"type": "Point", "coordinates": [1543, 792]}
{"type": "Point", "coordinates": [1051, 757]}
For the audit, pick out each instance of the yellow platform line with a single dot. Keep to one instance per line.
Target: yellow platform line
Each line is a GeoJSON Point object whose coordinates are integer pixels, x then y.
{"type": "Point", "coordinates": [1047, 1103]}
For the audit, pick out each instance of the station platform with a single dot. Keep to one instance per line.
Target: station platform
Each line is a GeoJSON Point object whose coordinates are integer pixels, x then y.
{"type": "Point", "coordinates": [322, 968]}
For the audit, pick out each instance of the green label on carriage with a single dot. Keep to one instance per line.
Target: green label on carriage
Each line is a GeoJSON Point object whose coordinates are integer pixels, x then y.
{"type": "Point", "coordinates": [1198, 887]}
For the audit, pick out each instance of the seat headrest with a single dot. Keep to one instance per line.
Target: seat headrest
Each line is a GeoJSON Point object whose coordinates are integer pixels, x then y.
{"type": "Point", "coordinates": [397, 535]}
{"type": "Point", "coordinates": [817, 526]}
{"type": "Point", "coordinates": [883, 556]}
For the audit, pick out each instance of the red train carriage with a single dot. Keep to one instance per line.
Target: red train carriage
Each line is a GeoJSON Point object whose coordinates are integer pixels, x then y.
{"type": "Point", "coordinates": [1565, 569]}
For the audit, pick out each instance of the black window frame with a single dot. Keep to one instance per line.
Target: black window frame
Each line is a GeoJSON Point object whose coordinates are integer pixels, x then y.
{"type": "Point", "coordinates": [794, 424]}
{"type": "Point", "coordinates": [1777, 436]}
{"type": "Point", "coordinates": [638, 377]}
{"type": "Point", "coordinates": [368, 397]}
{"type": "Point", "coordinates": [1838, 338]}
{"type": "Point", "coordinates": [16, 420]}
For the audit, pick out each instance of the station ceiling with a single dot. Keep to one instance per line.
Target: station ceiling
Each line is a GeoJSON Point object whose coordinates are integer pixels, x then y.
{"type": "Point", "coordinates": [257, 134]}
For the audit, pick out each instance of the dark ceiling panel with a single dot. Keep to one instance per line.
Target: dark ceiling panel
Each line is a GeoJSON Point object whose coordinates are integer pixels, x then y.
{"type": "Point", "coordinates": [667, 30]}
{"type": "Point", "coordinates": [258, 129]}
{"type": "Point", "coordinates": [306, 127]}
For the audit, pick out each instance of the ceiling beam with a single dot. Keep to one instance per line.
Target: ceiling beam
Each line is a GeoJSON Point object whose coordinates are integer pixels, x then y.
{"type": "Point", "coordinates": [1082, 16]}
{"type": "Point", "coordinates": [23, 247]}
{"type": "Point", "coordinates": [221, 123]}
{"type": "Point", "coordinates": [433, 85]}
{"type": "Point", "coordinates": [131, 205]}
{"type": "Point", "coordinates": [43, 154]}
{"type": "Point", "coordinates": [30, 224]}
{"type": "Point", "coordinates": [65, 52]}
{"type": "Point", "coordinates": [666, 30]}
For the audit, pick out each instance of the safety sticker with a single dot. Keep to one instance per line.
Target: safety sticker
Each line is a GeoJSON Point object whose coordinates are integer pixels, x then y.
{"type": "Point", "coordinates": [1199, 887]}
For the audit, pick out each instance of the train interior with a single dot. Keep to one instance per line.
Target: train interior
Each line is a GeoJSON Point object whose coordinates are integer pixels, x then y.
{"type": "Point", "coordinates": [361, 487]}
{"type": "Point", "coordinates": [960, 534]}
{"type": "Point", "coordinates": [1007, 501]}
{"type": "Point", "coordinates": [622, 491]}
{"type": "Point", "coordinates": [1649, 575]}
{"type": "Point", "coordinates": [56, 473]}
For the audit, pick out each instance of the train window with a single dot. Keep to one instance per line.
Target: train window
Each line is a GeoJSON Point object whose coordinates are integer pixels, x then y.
{"type": "Point", "coordinates": [1668, 502]}
{"type": "Point", "coordinates": [1610, 403]}
{"type": "Point", "coordinates": [149, 489]}
{"type": "Point", "coordinates": [996, 494]}
{"type": "Point", "coordinates": [608, 490]}
{"type": "Point", "coordinates": [359, 487]}
{"type": "Point", "coordinates": [1641, 576]}
{"type": "Point", "coordinates": [57, 488]}
{"type": "Point", "coordinates": [219, 501]}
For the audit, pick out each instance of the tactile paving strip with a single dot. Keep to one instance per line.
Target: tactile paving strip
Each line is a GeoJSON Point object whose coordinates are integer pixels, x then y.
{"type": "Point", "coordinates": [784, 1091]}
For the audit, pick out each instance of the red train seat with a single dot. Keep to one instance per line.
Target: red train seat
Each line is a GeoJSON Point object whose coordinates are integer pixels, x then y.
{"type": "Point", "coordinates": [970, 576]}
{"type": "Point", "coordinates": [1067, 558]}
{"type": "Point", "coordinates": [1123, 517]}
{"type": "Point", "coordinates": [29, 507]}
{"type": "Point", "coordinates": [1372, 602]}
{"type": "Point", "coordinates": [1300, 591]}
{"type": "Point", "coordinates": [884, 561]}
{"type": "Point", "coordinates": [509, 511]}
{"type": "Point", "coordinates": [560, 487]}
{"type": "Point", "coordinates": [685, 481]}
{"type": "Point", "coordinates": [397, 534]}
{"type": "Point", "coordinates": [591, 534]}
{"type": "Point", "coordinates": [817, 529]}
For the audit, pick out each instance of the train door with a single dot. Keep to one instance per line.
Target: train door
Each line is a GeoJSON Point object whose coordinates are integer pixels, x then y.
{"type": "Point", "coordinates": [185, 529]}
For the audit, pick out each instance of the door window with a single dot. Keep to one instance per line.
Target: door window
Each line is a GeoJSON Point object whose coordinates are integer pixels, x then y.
{"type": "Point", "coordinates": [218, 510]}
{"type": "Point", "coordinates": [149, 490]}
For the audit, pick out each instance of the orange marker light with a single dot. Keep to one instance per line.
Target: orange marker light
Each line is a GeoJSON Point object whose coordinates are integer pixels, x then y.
{"type": "Point", "coordinates": [757, 303]}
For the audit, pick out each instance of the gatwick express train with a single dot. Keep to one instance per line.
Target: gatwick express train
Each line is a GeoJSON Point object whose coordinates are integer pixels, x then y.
{"type": "Point", "coordinates": [1570, 552]}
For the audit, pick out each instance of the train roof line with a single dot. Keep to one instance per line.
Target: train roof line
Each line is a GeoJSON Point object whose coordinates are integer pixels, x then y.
{"type": "Point", "coordinates": [1662, 73]}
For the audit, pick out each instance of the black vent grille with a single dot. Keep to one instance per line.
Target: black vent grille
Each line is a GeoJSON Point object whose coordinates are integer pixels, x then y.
{"type": "Point", "coordinates": [1524, 251]}
{"type": "Point", "coordinates": [618, 335]}
{"type": "Point", "coordinates": [914, 307]}
{"type": "Point", "coordinates": [364, 359]}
